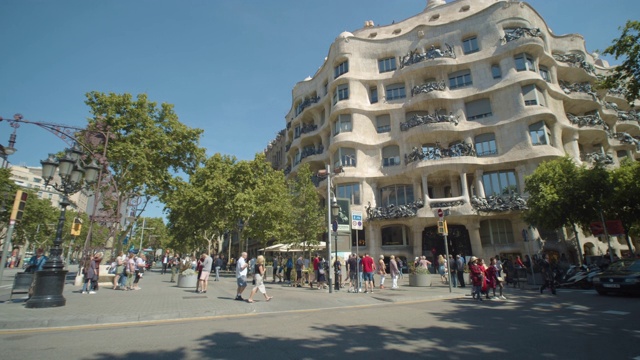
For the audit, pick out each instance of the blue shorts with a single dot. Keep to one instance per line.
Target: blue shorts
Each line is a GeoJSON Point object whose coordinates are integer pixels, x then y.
{"type": "Point", "coordinates": [368, 276]}
{"type": "Point", "coordinates": [242, 281]}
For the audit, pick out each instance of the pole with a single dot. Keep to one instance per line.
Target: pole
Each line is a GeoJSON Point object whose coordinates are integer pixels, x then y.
{"type": "Point", "coordinates": [357, 263]}
{"type": "Point", "coordinates": [335, 267]}
{"type": "Point", "coordinates": [329, 225]}
{"type": "Point", "coordinates": [144, 222]}
{"type": "Point", "coordinates": [446, 251]}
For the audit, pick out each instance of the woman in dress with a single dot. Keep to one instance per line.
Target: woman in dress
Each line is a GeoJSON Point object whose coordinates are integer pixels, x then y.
{"type": "Point", "coordinates": [258, 276]}
{"type": "Point", "coordinates": [442, 266]}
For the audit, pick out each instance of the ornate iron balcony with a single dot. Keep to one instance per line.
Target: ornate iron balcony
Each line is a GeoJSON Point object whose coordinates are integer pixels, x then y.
{"type": "Point", "coordinates": [429, 87]}
{"type": "Point", "coordinates": [416, 120]}
{"type": "Point", "coordinates": [437, 153]}
{"type": "Point", "coordinates": [575, 60]}
{"type": "Point", "coordinates": [498, 203]}
{"type": "Point", "coordinates": [520, 32]}
{"type": "Point", "coordinates": [414, 57]}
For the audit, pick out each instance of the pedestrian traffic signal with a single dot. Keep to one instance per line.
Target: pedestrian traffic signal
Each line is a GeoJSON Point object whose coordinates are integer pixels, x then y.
{"type": "Point", "coordinates": [442, 227]}
{"type": "Point", "coordinates": [76, 227]}
{"type": "Point", "coordinates": [18, 205]}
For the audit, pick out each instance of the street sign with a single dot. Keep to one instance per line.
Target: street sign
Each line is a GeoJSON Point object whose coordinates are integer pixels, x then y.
{"type": "Point", "coordinates": [440, 214]}
{"type": "Point", "coordinates": [356, 220]}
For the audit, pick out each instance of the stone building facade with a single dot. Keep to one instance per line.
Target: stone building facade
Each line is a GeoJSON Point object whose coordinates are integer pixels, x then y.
{"type": "Point", "coordinates": [452, 109]}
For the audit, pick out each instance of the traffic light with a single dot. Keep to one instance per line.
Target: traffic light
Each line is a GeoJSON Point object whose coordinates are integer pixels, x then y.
{"type": "Point", "coordinates": [18, 205]}
{"type": "Point", "coordinates": [442, 227]}
{"type": "Point", "coordinates": [76, 227]}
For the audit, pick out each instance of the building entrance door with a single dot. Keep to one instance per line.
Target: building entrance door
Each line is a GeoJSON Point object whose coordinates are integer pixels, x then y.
{"type": "Point", "coordinates": [433, 243]}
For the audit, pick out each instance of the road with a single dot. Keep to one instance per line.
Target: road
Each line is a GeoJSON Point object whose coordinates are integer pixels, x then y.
{"type": "Point", "coordinates": [573, 325]}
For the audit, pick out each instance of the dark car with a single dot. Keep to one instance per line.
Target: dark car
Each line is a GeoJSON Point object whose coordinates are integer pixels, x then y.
{"type": "Point", "coordinates": [622, 276]}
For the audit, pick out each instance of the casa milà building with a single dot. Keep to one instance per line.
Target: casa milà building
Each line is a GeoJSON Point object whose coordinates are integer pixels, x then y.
{"type": "Point", "coordinates": [452, 109]}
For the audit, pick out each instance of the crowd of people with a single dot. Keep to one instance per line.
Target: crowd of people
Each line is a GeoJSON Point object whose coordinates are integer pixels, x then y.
{"type": "Point", "coordinates": [359, 275]}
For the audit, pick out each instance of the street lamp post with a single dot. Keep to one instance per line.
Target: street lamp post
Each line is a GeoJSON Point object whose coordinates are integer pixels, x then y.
{"type": "Point", "coordinates": [49, 282]}
{"type": "Point", "coordinates": [5, 151]}
{"type": "Point", "coordinates": [335, 210]}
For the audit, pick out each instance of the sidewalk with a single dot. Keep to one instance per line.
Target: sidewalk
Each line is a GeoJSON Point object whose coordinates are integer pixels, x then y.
{"type": "Point", "coordinates": [159, 299]}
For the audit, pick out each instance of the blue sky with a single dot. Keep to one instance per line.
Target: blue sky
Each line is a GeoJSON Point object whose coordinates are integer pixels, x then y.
{"type": "Point", "coordinates": [228, 66]}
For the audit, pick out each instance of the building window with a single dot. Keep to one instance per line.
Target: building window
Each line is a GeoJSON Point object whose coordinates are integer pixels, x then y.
{"type": "Point", "coordinates": [524, 62]}
{"type": "Point", "coordinates": [342, 68]}
{"type": "Point", "coordinates": [478, 109]}
{"type": "Point", "coordinates": [460, 79]}
{"type": "Point", "coordinates": [388, 64]}
{"type": "Point", "coordinates": [486, 144]}
{"type": "Point", "coordinates": [532, 95]}
{"type": "Point", "coordinates": [499, 183]}
{"type": "Point", "coordinates": [346, 157]}
{"type": "Point", "coordinates": [343, 124]}
{"type": "Point", "coordinates": [373, 94]}
{"type": "Point", "coordinates": [495, 71]}
{"type": "Point", "coordinates": [395, 235]}
{"type": "Point", "coordinates": [470, 45]}
{"type": "Point", "coordinates": [621, 154]}
{"type": "Point", "coordinates": [396, 195]}
{"type": "Point", "coordinates": [383, 124]}
{"type": "Point", "coordinates": [349, 191]}
{"type": "Point", "coordinates": [539, 133]}
{"type": "Point", "coordinates": [544, 73]}
{"type": "Point", "coordinates": [359, 236]}
{"type": "Point", "coordinates": [391, 155]}
{"type": "Point", "coordinates": [496, 231]}
{"type": "Point", "coordinates": [342, 93]}
{"type": "Point", "coordinates": [395, 91]}
{"type": "Point", "coordinates": [325, 87]}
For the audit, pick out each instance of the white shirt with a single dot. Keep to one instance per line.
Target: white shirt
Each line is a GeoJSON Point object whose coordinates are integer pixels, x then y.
{"type": "Point", "coordinates": [241, 270]}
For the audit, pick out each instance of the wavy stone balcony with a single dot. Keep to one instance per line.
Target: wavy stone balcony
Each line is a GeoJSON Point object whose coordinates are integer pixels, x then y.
{"type": "Point", "coordinates": [576, 61]}
{"type": "Point", "coordinates": [437, 153]}
{"type": "Point", "coordinates": [417, 120]}
{"type": "Point", "coordinates": [393, 211]}
{"type": "Point", "coordinates": [414, 57]}
{"type": "Point", "coordinates": [588, 120]}
{"type": "Point", "coordinates": [429, 87]}
{"type": "Point", "coordinates": [498, 203]}
{"type": "Point", "coordinates": [520, 32]}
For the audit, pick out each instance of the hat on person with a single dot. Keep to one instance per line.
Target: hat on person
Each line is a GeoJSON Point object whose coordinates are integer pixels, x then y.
{"type": "Point", "coordinates": [473, 258]}
{"type": "Point", "coordinates": [381, 256]}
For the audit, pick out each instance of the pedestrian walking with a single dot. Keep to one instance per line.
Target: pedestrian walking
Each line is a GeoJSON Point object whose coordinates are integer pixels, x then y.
{"type": "Point", "coordinates": [258, 277]}
{"type": "Point", "coordinates": [393, 269]}
{"type": "Point", "coordinates": [175, 267]}
{"type": "Point", "coordinates": [218, 264]}
{"type": "Point", "coordinates": [477, 278]}
{"type": "Point", "coordinates": [241, 275]}
{"type": "Point", "coordinates": [454, 271]}
{"type": "Point", "coordinates": [165, 262]}
{"type": "Point", "coordinates": [382, 271]}
{"type": "Point", "coordinates": [368, 268]}
{"type": "Point", "coordinates": [547, 275]}
{"type": "Point", "coordinates": [460, 266]}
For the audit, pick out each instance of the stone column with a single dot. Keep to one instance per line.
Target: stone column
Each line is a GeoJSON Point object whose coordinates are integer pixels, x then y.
{"type": "Point", "coordinates": [479, 186]}
{"type": "Point", "coordinates": [425, 186]}
{"type": "Point", "coordinates": [474, 238]}
{"type": "Point", "coordinates": [416, 238]}
{"type": "Point", "coordinates": [465, 187]}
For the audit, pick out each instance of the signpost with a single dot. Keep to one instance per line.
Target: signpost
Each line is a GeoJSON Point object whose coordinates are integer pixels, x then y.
{"type": "Point", "coordinates": [356, 224]}
{"type": "Point", "coordinates": [442, 227]}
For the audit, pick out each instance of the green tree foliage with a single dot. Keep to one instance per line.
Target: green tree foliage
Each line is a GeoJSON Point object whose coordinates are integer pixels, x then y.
{"type": "Point", "coordinates": [202, 207]}
{"type": "Point", "coordinates": [309, 218]}
{"type": "Point", "coordinates": [626, 75]}
{"type": "Point", "coordinates": [147, 146]}
{"type": "Point", "coordinates": [624, 201]}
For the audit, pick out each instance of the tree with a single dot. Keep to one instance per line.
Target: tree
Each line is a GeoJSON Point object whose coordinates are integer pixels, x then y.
{"type": "Point", "coordinates": [555, 196]}
{"type": "Point", "coordinates": [200, 208]}
{"type": "Point", "coordinates": [625, 197]}
{"type": "Point", "coordinates": [309, 217]}
{"type": "Point", "coordinates": [626, 75]}
{"type": "Point", "coordinates": [148, 145]}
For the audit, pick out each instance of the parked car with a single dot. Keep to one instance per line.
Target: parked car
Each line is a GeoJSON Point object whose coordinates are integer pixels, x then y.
{"type": "Point", "coordinates": [622, 276]}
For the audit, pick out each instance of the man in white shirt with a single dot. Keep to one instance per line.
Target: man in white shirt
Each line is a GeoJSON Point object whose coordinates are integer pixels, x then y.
{"type": "Point", "coordinates": [241, 275]}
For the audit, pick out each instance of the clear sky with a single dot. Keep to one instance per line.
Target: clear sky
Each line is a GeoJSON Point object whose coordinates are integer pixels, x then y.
{"type": "Point", "coordinates": [228, 66]}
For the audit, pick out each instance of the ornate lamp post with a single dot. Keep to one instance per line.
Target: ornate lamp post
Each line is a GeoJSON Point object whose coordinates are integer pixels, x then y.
{"type": "Point", "coordinates": [49, 283]}
{"type": "Point", "coordinates": [335, 210]}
